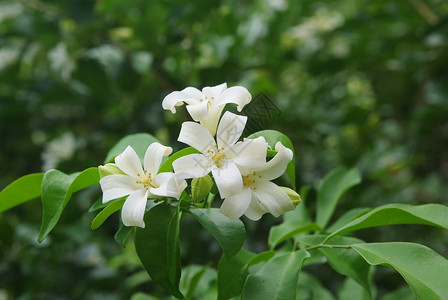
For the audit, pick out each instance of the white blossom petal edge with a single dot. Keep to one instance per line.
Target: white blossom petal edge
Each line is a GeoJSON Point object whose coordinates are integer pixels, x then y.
{"type": "Point", "coordinates": [223, 157]}
{"type": "Point", "coordinates": [140, 182]}
{"type": "Point", "coordinates": [207, 105]}
{"type": "Point", "coordinates": [259, 194]}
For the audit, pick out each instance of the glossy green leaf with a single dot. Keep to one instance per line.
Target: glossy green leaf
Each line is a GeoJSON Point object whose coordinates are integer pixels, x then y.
{"type": "Point", "coordinates": [106, 212]}
{"type": "Point", "coordinates": [392, 214]}
{"type": "Point", "coordinates": [424, 270]}
{"type": "Point", "coordinates": [139, 141]}
{"type": "Point", "coordinates": [351, 290]}
{"type": "Point", "coordinates": [277, 279]}
{"type": "Point", "coordinates": [57, 189]}
{"type": "Point", "coordinates": [158, 248]}
{"type": "Point", "coordinates": [232, 274]}
{"type": "Point", "coordinates": [331, 189]}
{"type": "Point", "coordinates": [167, 166]}
{"type": "Point", "coordinates": [24, 189]}
{"type": "Point", "coordinates": [229, 233]}
{"type": "Point", "coordinates": [311, 288]}
{"type": "Point", "coordinates": [189, 281]}
{"type": "Point", "coordinates": [123, 233]}
{"type": "Point", "coordinates": [272, 137]}
{"type": "Point", "coordinates": [347, 218]}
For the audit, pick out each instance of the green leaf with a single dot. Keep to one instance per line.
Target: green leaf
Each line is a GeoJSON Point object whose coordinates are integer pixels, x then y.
{"type": "Point", "coordinates": [57, 189]}
{"type": "Point", "coordinates": [139, 141]}
{"type": "Point", "coordinates": [277, 279]}
{"type": "Point", "coordinates": [311, 288]}
{"type": "Point", "coordinates": [347, 217]}
{"type": "Point", "coordinates": [106, 212]}
{"type": "Point", "coordinates": [403, 293]}
{"type": "Point", "coordinates": [229, 233]}
{"type": "Point", "coordinates": [232, 274]}
{"type": "Point", "coordinates": [423, 269]}
{"type": "Point", "coordinates": [332, 187]}
{"type": "Point", "coordinates": [392, 214]}
{"type": "Point", "coordinates": [158, 247]}
{"type": "Point", "coordinates": [191, 276]}
{"type": "Point", "coordinates": [351, 290]}
{"type": "Point", "coordinates": [272, 137]}
{"type": "Point", "coordinates": [167, 166]}
{"type": "Point", "coordinates": [24, 189]}
{"type": "Point", "coordinates": [123, 233]}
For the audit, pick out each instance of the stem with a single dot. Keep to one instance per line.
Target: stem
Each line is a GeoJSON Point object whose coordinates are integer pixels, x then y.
{"type": "Point", "coordinates": [328, 246]}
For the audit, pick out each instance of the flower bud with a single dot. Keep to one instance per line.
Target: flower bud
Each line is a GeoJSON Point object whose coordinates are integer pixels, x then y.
{"type": "Point", "coordinates": [200, 188]}
{"type": "Point", "coordinates": [295, 198]}
{"type": "Point", "coordinates": [109, 169]}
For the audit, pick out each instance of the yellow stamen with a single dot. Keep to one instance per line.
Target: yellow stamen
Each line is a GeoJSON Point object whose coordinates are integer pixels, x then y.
{"type": "Point", "coordinates": [248, 180]}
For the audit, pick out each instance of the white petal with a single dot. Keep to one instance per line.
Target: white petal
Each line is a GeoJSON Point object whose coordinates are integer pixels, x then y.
{"type": "Point", "coordinates": [188, 95]}
{"type": "Point", "coordinates": [236, 94]}
{"type": "Point", "coordinates": [210, 121]}
{"type": "Point", "coordinates": [198, 111]}
{"type": "Point", "coordinates": [117, 186]}
{"type": "Point", "coordinates": [277, 165]}
{"type": "Point", "coordinates": [169, 185]}
{"type": "Point", "coordinates": [212, 92]}
{"type": "Point", "coordinates": [134, 209]}
{"type": "Point", "coordinates": [230, 129]}
{"type": "Point", "coordinates": [197, 136]}
{"type": "Point", "coordinates": [129, 163]}
{"type": "Point", "coordinates": [235, 206]}
{"type": "Point", "coordinates": [192, 166]}
{"type": "Point", "coordinates": [250, 153]}
{"type": "Point", "coordinates": [255, 209]}
{"type": "Point", "coordinates": [153, 157]}
{"type": "Point", "coordinates": [228, 179]}
{"type": "Point", "coordinates": [272, 197]}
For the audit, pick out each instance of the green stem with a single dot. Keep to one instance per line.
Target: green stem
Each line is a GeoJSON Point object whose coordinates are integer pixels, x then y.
{"type": "Point", "coordinates": [327, 246]}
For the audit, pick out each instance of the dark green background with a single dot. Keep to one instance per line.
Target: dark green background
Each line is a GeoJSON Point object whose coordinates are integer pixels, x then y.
{"type": "Point", "coordinates": [357, 83]}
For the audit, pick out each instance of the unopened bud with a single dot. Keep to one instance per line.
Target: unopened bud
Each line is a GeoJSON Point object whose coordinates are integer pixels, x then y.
{"type": "Point", "coordinates": [295, 198]}
{"type": "Point", "coordinates": [109, 169]}
{"type": "Point", "coordinates": [200, 188]}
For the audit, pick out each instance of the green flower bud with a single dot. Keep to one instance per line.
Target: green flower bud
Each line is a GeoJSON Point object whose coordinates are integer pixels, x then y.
{"type": "Point", "coordinates": [295, 198]}
{"type": "Point", "coordinates": [109, 169]}
{"type": "Point", "coordinates": [200, 188]}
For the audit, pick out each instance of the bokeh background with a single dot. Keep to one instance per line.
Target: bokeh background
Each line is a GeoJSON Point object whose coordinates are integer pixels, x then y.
{"type": "Point", "coordinates": [357, 83]}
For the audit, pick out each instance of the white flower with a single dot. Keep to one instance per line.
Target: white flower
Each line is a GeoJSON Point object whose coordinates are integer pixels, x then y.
{"type": "Point", "coordinates": [206, 106]}
{"type": "Point", "coordinates": [140, 183]}
{"type": "Point", "coordinates": [223, 157]}
{"type": "Point", "coordinates": [259, 194]}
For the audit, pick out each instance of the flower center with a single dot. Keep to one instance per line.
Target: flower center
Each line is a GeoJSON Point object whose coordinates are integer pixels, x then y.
{"type": "Point", "coordinates": [248, 180]}
{"type": "Point", "coordinates": [146, 180]}
{"type": "Point", "coordinates": [218, 157]}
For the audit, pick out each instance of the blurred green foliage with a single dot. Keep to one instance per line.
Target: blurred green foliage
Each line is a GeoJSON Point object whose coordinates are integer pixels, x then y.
{"type": "Point", "coordinates": [358, 83]}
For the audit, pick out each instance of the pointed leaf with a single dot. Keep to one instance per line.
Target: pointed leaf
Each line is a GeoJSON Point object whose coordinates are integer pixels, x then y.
{"type": "Point", "coordinates": [277, 279]}
{"type": "Point", "coordinates": [139, 141]}
{"type": "Point", "coordinates": [332, 187]}
{"type": "Point", "coordinates": [392, 214]}
{"type": "Point", "coordinates": [123, 233]}
{"type": "Point", "coordinates": [167, 166]}
{"type": "Point", "coordinates": [106, 212]}
{"type": "Point", "coordinates": [423, 269]}
{"type": "Point", "coordinates": [158, 247]}
{"type": "Point", "coordinates": [351, 290]}
{"type": "Point", "coordinates": [347, 218]}
{"type": "Point", "coordinates": [232, 274]}
{"type": "Point", "coordinates": [272, 137]}
{"type": "Point", "coordinates": [57, 189]}
{"type": "Point", "coordinates": [24, 189]}
{"type": "Point", "coordinates": [229, 233]}
{"type": "Point", "coordinates": [311, 288]}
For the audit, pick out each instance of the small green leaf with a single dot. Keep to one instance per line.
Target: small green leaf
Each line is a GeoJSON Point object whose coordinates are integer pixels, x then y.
{"type": "Point", "coordinates": [332, 187]}
{"type": "Point", "coordinates": [24, 189]}
{"type": "Point", "coordinates": [232, 274]}
{"type": "Point", "coordinates": [158, 247]}
{"type": "Point", "coordinates": [167, 166]}
{"type": "Point", "coordinates": [311, 288]}
{"type": "Point", "coordinates": [423, 269]}
{"type": "Point", "coordinates": [106, 212]}
{"type": "Point", "coordinates": [277, 279]}
{"type": "Point", "coordinates": [272, 137]}
{"type": "Point", "coordinates": [123, 233]}
{"type": "Point", "coordinates": [351, 290]}
{"type": "Point", "coordinates": [191, 276]}
{"type": "Point", "coordinates": [57, 189]}
{"type": "Point", "coordinates": [139, 141]}
{"type": "Point", "coordinates": [392, 214]}
{"type": "Point", "coordinates": [230, 234]}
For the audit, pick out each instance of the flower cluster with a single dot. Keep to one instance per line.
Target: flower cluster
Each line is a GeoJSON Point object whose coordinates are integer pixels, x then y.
{"type": "Point", "coordinates": [240, 170]}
